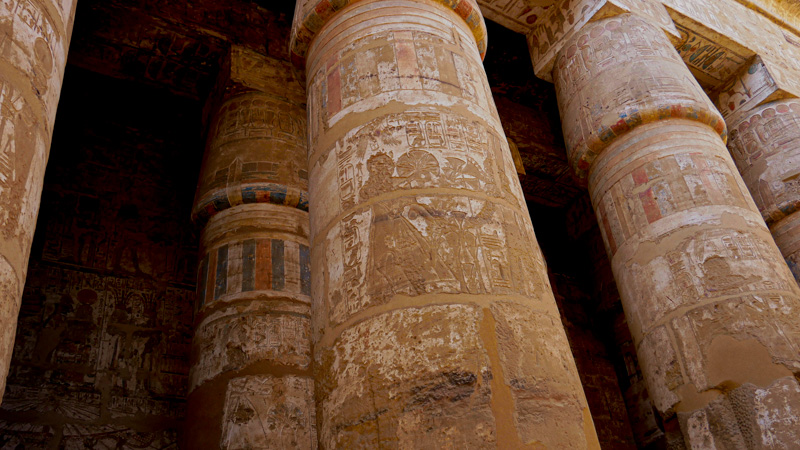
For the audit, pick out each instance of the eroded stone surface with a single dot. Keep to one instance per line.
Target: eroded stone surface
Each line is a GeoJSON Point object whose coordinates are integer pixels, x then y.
{"type": "Point", "coordinates": [254, 279]}
{"type": "Point", "coordinates": [405, 370]}
{"type": "Point", "coordinates": [268, 412]}
{"type": "Point", "coordinates": [34, 37]}
{"type": "Point", "coordinates": [419, 229]}
{"type": "Point", "coordinates": [698, 273]}
{"type": "Point", "coordinates": [765, 143]}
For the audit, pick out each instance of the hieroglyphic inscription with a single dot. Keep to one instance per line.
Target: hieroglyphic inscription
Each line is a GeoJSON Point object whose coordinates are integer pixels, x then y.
{"type": "Point", "coordinates": [22, 149]}
{"type": "Point", "coordinates": [715, 263]}
{"type": "Point", "coordinates": [394, 61]}
{"type": "Point", "coordinates": [257, 116]}
{"type": "Point", "coordinates": [517, 15]}
{"type": "Point", "coordinates": [709, 61]}
{"type": "Point", "coordinates": [256, 154]}
{"type": "Point", "coordinates": [743, 28]}
{"type": "Point", "coordinates": [269, 412]}
{"type": "Point", "coordinates": [764, 145]}
{"type": "Point", "coordinates": [231, 340]}
{"type": "Point", "coordinates": [80, 436]}
{"type": "Point", "coordinates": [661, 188]}
{"type": "Point", "coordinates": [422, 150]}
{"type": "Point", "coordinates": [95, 334]}
{"type": "Point", "coordinates": [545, 40]}
{"type": "Point", "coordinates": [31, 41]}
{"type": "Point", "coordinates": [429, 244]}
{"type": "Point", "coordinates": [598, 98]}
{"type": "Point", "coordinates": [10, 289]}
{"type": "Point", "coordinates": [562, 20]}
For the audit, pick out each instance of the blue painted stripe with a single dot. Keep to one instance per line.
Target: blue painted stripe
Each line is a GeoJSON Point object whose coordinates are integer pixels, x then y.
{"type": "Point", "coordinates": [222, 272]}
{"type": "Point", "coordinates": [278, 274]}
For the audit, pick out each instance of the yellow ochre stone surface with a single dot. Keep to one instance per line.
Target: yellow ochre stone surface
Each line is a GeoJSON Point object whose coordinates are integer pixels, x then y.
{"type": "Point", "coordinates": [368, 275]}
{"type": "Point", "coordinates": [697, 270]}
{"type": "Point", "coordinates": [34, 38]}
{"type": "Point", "coordinates": [428, 285]}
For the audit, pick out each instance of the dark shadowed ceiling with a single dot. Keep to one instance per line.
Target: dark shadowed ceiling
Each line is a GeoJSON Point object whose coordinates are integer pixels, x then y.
{"type": "Point", "coordinates": [176, 47]}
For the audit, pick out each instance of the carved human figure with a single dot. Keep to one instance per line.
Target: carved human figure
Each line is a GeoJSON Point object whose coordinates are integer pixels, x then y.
{"type": "Point", "coordinates": [699, 275]}
{"type": "Point", "coordinates": [432, 307]}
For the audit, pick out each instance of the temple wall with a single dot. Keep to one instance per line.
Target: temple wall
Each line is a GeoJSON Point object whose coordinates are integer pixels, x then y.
{"type": "Point", "coordinates": [101, 357]}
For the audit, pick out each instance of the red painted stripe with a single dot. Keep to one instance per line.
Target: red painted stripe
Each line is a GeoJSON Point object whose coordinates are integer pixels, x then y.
{"type": "Point", "coordinates": [334, 89]}
{"type": "Point", "coordinates": [263, 265]}
{"type": "Point", "coordinates": [650, 206]}
{"type": "Point", "coordinates": [640, 176]}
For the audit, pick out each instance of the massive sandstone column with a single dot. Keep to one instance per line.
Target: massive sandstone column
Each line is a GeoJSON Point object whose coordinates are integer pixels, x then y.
{"type": "Point", "coordinates": [712, 306]}
{"type": "Point", "coordinates": [34, 38]}
{"type": "Point", "coordinates": [434, 323]}
{"type": "Point", "coordinates": [250, 383]}
{"type": "Point", "coordinates": [765, 144]}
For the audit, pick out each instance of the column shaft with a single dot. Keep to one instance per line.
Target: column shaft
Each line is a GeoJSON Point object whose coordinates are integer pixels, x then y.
{"type": "Point", "coordinates": [765, 144]}
{"type": "Point", "coordinates": [711, 305]}
{"type": "Point", "coordinates": [34, 38]}
{"type": "Point", "coordinates": [250, 383]}
{"type": "Point", "coordinates": [434, 321]}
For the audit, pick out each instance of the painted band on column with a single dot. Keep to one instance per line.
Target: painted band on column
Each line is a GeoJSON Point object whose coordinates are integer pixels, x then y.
{"type": "Point", "coordinates": [602, 116]}
{"type": "Point", "coordinates": [239, 177]}
{"type": "Point", "coordinates": [251, 383]}
{"type": "Point", "coordinates": [430, 295]}
{"type": "Point", "coordinates": [312, 15]}
{"type": "Point", "coordinates": [699, 274]}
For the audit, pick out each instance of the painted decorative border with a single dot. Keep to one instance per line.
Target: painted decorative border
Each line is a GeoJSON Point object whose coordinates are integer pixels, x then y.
{"type": "Point", "coordinates": [277, 194]}
{"type": "Point", "coordinates": [631, 119]}
{"type": "Point", "coordinates": [325, 10]}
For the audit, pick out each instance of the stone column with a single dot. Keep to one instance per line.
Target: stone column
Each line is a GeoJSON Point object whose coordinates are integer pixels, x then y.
{"type": "Point", "coordinates": [34, 38]}
{"type": "Point", "coordinates": [434, 321]}
{"type": "Point", "coordinates": [250, 383]}
{"type": "Point", "coordinates": [765, 144]}
{"type": "Point", "coordinates": [712, 306]}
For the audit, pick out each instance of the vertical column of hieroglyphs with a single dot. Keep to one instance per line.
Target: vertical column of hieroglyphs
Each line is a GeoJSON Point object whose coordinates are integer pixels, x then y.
{"type": "Point", "coordinates": [711, 304]}
{"type": "Point", "coordinates": [434, 322]}
{"type": "Point", "coordinates": [765, 144]}
{"type": "Point", "coordinates": [34, 38]}
{"type": "Point", "coordinates": [250, 383]}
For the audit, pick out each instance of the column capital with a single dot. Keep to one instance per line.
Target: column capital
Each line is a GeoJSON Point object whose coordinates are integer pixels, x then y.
{"type": "Point", "coordinates": [555, 28]}
{"type": "Point", "coordinates": [764, 144]}
{"type": "Point", "coordinates": [256, 146]}
{"type": "Point", "coordinates": [619, 73]}
{"type": "Point", "coordinates": [244, 70]}
{"type": "Point", "coordinates": [755, 85]}
{"type": "Point", "coordinates": [312, 15]}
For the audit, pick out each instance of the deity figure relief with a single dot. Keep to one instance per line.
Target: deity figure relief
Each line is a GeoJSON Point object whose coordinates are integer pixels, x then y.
{"type": "Point", "coordinates": [380, 168]}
